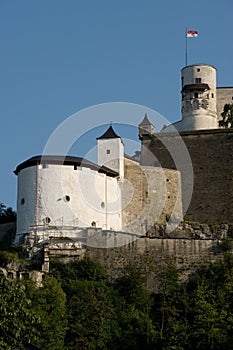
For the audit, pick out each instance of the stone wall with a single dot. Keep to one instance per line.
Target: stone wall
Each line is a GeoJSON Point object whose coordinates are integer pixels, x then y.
{"type": "Point", "coordinates": [150, 195]}
{"type": "Point", "coordinates": [211, 156]}
{"type": "Point", "coordinates": [150, 253]}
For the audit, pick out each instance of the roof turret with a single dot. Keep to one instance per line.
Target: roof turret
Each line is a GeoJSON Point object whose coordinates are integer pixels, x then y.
{"type": "Point", "coordinates": [145, 128]}
{"type": "Point", "coordinates": [109, 134]}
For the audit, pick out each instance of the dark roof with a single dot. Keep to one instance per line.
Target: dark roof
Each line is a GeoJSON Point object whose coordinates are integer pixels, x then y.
{"type": "Point", "coordinates": [109, 134]}
{"type": "Point", "coordinates": [200, 86]}
{"type": "Point", "coordinates": [64, 160]}
{"type": "Point", "coordinates": [198, 65]}
{"type": "Point", "coordinates": [145, 121]}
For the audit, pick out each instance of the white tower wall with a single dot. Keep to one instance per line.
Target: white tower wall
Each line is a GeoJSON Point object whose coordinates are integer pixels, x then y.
{"type": "Point", "coordinates": [111, 154]}
{"type": "Point", "coordinates": [59, 195]}
{"type": "Point", "coordinates": [198, 98]}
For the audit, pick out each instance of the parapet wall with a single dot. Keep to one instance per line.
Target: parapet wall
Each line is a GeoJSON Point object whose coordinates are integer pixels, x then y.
{"type": "Point", "coordinates": [149, 254]}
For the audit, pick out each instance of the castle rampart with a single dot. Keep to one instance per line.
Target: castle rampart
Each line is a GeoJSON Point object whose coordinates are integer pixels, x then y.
{"type": "Point", "coordinates": [211, 156]}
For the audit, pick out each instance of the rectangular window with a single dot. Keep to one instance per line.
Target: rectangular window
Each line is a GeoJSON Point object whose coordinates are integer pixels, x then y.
{"type": "Point", "coordinates": [198, 69]}
{"type": "Point", "coordinates": [108, 151]}
{"type": "Point", "coordinates": [196, 94]}
{"type": "Point", "coordinates": [212, 95]}
{"type": "Point", "coordinates": [198, 80]}
{"type": "Point", "coordinates": [45, 166]}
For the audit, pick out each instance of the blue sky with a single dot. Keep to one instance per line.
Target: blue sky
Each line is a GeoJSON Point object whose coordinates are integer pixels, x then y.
{"type": "Point", "coordinates": [58, 57]}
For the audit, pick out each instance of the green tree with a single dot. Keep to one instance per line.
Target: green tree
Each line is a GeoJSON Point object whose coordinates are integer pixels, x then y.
{"type": "Point", "coordinates": [17, 321]}
{"type": "Point", "coordinates": [170, 304]}
{"type": "Point", "coordinates": [49, 304]}
{"type": "Point", "coordinates": [6, 214]}
{"type": "Point", "coordinates": [227, 116]}
{"type": "Point", "coordinates": [133, 305]}
{"type": "Point", "coordinates": [211, 306]}
{"type": "Point", "coordinates": [91, 316]}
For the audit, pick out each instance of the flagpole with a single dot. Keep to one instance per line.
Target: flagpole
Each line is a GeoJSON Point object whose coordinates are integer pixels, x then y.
{"type": "Point", "coordinates": [186, 48]}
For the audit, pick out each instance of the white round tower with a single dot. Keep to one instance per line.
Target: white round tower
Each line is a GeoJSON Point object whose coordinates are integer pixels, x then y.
{"type": "Point", "coordinates": [199, 97]}
{"type": "Point", "coordinates": [68, 192]}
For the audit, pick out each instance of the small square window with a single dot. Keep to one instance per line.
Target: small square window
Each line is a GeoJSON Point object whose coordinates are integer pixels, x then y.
{"type": "Point", "coordinates": [198, 80]}
{"type": "Point", "coordinates": [45, 166]}
{"type": "Point", "coordinates": [198, 69]}
{"type": "Point", "coordinates": [108, 151]}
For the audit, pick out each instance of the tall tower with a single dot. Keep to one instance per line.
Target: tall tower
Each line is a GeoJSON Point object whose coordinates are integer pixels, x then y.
{"type": "Point", "coordinates": [199, 97]}
{"type": "Point", "coordinates": [111, 151]}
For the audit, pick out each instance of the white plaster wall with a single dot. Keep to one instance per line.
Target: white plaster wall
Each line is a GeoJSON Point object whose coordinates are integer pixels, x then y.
{"type": "Point", "coordinates": [115, 159]}
{"type": "Point", "coordinates": [93, 197]}
{"type": "Point", "coordinates": [26, 213]}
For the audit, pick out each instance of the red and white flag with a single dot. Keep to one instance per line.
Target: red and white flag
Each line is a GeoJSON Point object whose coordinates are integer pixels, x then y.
{"type": "Point", "coordinates": [192, 33]}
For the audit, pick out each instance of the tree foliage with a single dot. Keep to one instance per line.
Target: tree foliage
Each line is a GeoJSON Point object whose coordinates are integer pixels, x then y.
{"type": "Point", "coordinates": [227, 116]}
{"type": "Point", "coordinates": [78, 307]}
{"type": "Point", "coordinates": [17, 320]}
{"type": "Point", "coordinates": [6, 214]}
{"type": "Point", "coordinates": [49, 304]}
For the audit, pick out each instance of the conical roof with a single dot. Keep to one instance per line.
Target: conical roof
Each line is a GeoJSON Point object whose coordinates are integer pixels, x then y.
{"type": "Point", "coordinates": [109, 134]}
{"type": "Point", "coordinates": [145, 121]}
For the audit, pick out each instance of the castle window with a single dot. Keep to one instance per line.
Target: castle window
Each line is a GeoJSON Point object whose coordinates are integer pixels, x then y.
{"type": "Point", "coordinates": [66, 198]}
{"type": "Point", "coordinates": [22, 201]}
{"type": "Point", "coordinates": [204, 104]}
{"type": "Point", "coordinates": [93, 224]}
{"type": "Point", "coordinates": [198, 69]}
{"type": "Point", "coordinates": [108, 151]}
{"type": "Point", "coordinates": [198, 80]}
{"type": "Point", "coordinates": [212, 95]}
{"type": "Point", "coordinates": [196, 94]}
{"type": "Point", "coordinates": [47, 220]}
{"type": "Point", "coordinates": [75, 167]}
{"type": "Point", "coordinates": [45, 166]}
{"type": "Point", "coordinates": [102, 205]}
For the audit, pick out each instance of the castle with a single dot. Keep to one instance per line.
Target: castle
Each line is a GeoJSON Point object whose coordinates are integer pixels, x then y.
{"type": "Point", "coordinates": [69, 202]}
